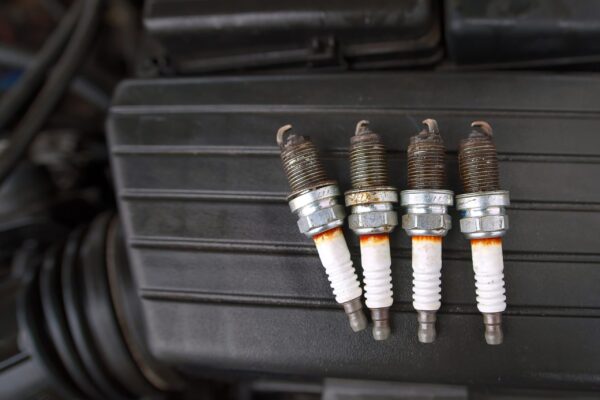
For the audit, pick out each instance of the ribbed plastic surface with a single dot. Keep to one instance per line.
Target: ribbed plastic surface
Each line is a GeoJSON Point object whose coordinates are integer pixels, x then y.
{"type": "Point", "coordinates": [228, 282]}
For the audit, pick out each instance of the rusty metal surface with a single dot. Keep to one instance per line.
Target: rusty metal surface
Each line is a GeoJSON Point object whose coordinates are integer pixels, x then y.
{"type": "Point", "coordinates": [427, 159]}
{"type": "Point", "coordinates": [478, 160]}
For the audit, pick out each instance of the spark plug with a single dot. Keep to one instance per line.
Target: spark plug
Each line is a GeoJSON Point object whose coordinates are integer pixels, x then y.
{"type": "Point", "coordinates": [313, 199]}
{"type": "Point", "coordinates": [427, 221]}
{"type": "Point", "coordinates": [373, 218]}
{"type": "Point", "coordinates": [484, 222]}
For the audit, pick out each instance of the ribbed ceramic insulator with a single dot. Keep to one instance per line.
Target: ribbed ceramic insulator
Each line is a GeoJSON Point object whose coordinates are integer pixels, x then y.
{"type": "Point", "coordinates": [488, 265]}
{"type": "Point", "coordinates": [335, 257]}
{"type": "Point", "coordinates": [376, 262]}
{"type": "Point", "coordinates": [427, 272]}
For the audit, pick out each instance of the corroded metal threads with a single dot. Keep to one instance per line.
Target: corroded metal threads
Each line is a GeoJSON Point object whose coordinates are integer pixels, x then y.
{"type": "Point", "coordinates": [301, 162]}
{"type": "Point", "coordinates": [478, 160]}
{"type": "Point", "coordinates": [368, 166]}
{"type": "Point", "coordinates": [426, 158]}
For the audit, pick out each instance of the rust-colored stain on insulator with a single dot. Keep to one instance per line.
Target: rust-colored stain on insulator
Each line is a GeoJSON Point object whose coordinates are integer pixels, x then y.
{"type": "Point", "coordinates": [327, 235]}
{"type": "Point", "coordinates": [374, 239]}
{"type": "Point", "coordinates": [487, 242]}
{"type": "Point", "coordinates": [433, 239]}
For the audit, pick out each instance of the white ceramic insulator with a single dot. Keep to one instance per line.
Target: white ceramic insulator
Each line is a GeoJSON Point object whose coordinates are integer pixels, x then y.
{"type": "Point", "coordinates": [488, 265]}
{"type": "Point", "coordinates": [376, 262]}
{"type": "Point", "coordinates": [427, 272]}
{"type": "Point", "coordinates": [335, 257]}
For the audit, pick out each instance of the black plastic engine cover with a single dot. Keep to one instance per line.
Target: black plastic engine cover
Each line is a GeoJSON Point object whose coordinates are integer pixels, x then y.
{"type": "Point", "coordinates": [523, 32]}
{"type": "Point", "coordinates": [200, 36]}
{"type": "Point", "coordinates": [228, 282]}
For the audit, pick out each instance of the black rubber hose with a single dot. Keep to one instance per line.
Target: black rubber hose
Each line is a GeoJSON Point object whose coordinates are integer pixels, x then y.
{"type": "Point", "coordinates": [81, 86]}
{"type": "Point", "coordinates": [53, 90]}
{"type": "Point", "coordinates": [13, 101]}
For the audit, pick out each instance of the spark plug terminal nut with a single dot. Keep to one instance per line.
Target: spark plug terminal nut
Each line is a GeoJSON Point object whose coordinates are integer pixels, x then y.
{"type": "Point", "coordinates": [314, 199]}
{"type": "Point", "coordinates": [427, 222]}
{"type": "Point", "coordinates": [372, 218]}
{"type": "Point", "coordinates": [484, 222]}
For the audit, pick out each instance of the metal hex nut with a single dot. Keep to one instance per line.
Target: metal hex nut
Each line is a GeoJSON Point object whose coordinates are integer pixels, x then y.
{"type": "Point", "coordinates": [326, 217]}
{"type": "Point", "coordinates": [427, 222]}
{"type": "Point", "coordinates": [484, 225]}
{"type": "Point", "coordinates": [373, 219]}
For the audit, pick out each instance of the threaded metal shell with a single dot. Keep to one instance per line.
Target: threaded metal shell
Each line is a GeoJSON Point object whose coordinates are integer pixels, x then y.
{"type": "Point", "coordinates": [478, 163]}
{"type": "Point", "coordinates": [426, 162]}
{"type": "Point", "coordinates": [368, 164]}
{"type": "Point", "coordinates": [302, 166]}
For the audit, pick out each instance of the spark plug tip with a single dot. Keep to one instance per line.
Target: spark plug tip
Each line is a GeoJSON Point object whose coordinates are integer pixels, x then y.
{"type": "Point", "coordinates": [356, 316]}
{"type": "Point", "coordinates": [358, 321]}
{"type": "Point", "coordinates": [381, 323]}
{"type": "Point", "coordinates": [381, 332]}
{"type": "Point", "coordinates": [426, 332]}
{"type": "Point", "coordinates": [493, 328]}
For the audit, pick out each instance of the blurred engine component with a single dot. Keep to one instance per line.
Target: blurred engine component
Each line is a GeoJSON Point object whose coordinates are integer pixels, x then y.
{"type": "Point", "coordinates": [81, 335]}
{"type": "Point", "coordinates": [199, 36]}
{"type": "Point", "coordinates": [522, 33]}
